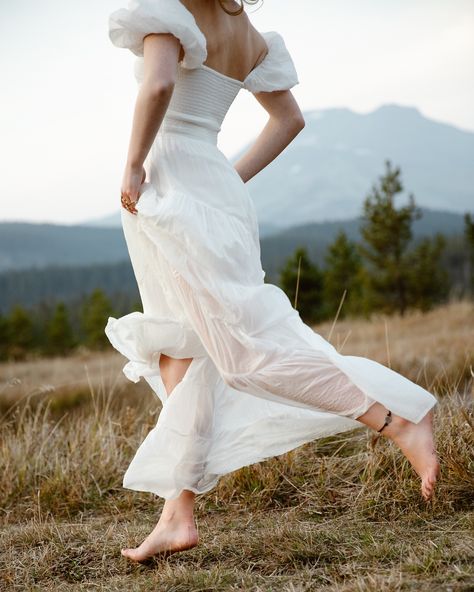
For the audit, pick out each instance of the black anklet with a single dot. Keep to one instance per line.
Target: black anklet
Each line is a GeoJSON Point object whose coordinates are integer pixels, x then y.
{"type": "Point", "coordinates": [388, 419]}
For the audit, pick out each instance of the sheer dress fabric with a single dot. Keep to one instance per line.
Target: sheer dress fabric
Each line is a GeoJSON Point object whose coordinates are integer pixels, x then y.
{"type": "Point", "coordinates": [261, 381]}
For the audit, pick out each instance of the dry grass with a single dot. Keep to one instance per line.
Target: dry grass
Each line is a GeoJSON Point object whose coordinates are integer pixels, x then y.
{"type": "Point", "coordinates": [336, 514]}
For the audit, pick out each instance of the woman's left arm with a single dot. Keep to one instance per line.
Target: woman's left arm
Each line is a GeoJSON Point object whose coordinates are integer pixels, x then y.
{"type": "Point", "coordinates": [161, 53]}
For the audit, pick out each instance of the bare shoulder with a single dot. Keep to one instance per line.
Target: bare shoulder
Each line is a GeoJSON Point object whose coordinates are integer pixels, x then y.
{"type": "Point", "coordinates": [228, 31]}
{"type": "Point", "coordinates": [198, 7]}
{"type": "Point", "coordinates": [258, 41]}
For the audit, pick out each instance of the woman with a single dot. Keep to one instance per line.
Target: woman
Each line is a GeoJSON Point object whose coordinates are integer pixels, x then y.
{"type": "Point", "coordinates": [249, 380]}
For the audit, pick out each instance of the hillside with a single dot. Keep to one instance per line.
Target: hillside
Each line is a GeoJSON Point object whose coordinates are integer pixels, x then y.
{"type": "Point", "coordinates": [338, 514]}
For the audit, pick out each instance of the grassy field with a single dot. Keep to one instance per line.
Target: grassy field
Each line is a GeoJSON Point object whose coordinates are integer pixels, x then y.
{"type": "Point", "coordinates": [337, 514]}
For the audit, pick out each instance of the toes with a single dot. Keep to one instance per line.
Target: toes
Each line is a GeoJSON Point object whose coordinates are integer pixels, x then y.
{"type": "Point", "coordinates": [128, 553]}
{"type": "Point", "coordinates": [427, 490]}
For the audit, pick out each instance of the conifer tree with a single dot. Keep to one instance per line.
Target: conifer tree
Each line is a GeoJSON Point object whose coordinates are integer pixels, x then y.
{"type": "Point", "coordinates": [4, 337]}
{"type": "Point", "coordinates": [95, 312]}
{"type": "Point", "coordinates": [429, 282]}
{"type": "Point", "coordinates": [302, 281]}
{"type": "Point", "coordinates": [386, 233]}
{"type": "Point", "coordinates": [469, 236]}
{"type": "Point", "coordinates": [20, 332]}
{"type": "Point", "coordinates": [342, 277]}
{"type": "Point", "coordinates": [59, 334]}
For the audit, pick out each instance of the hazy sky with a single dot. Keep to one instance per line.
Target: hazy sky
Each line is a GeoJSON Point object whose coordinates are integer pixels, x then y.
{"type": "Point", "coordinates": [68, 94]}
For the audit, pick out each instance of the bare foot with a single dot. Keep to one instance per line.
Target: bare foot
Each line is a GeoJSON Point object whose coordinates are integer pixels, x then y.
{"type": "Point", "coordinates": [168, 536]}
{"type": "Point", "coordinates": [417, 444]}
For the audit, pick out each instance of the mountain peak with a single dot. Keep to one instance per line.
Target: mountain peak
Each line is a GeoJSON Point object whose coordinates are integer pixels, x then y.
{"type": "Point", "coordinates": [395, 109]}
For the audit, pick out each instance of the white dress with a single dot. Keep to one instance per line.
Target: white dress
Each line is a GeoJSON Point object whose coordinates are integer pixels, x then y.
{"type": "Point", "coordinates": [261, 381]}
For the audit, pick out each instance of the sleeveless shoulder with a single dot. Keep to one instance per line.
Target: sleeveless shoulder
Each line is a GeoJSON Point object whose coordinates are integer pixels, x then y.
{"type": "Point", "coordinates": [128, 26]}
{"type": "Point", "coordinates": [276, 71]}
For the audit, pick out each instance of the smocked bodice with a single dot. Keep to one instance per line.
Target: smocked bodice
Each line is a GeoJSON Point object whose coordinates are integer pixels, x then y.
{"type": "Point", "coordinates": [201, 98]}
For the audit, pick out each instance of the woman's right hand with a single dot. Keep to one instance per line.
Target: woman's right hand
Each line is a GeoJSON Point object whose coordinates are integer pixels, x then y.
{"type": "Point", "coordinates": [133, 178]}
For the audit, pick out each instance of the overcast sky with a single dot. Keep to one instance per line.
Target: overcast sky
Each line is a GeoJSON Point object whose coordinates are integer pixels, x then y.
{"type": "Point", "coordinates": [68, 94]}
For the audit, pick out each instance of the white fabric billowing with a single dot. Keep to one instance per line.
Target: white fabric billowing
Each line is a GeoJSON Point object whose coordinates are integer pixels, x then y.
{"type": "Point", "coordinates": [128, 27]}
{"type": "Point", "coordinates": [261, 381]}
{"type": "Point", "coordinates": [276, 71]}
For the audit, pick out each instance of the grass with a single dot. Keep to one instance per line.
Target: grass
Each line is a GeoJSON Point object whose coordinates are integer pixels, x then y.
{"type": "Point", "coordinates": [337, 514]}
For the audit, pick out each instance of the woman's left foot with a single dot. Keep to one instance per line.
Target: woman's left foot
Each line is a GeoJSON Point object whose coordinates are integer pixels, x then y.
{"type": "Point", "coordinates": [416, 441]}
{"type": "Point", "coordinates": [170, 536]}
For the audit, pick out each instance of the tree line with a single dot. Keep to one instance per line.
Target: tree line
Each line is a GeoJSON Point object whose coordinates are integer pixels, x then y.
{"type": "Point", "coordinates": [384, 271]}
{"type": "Point", "coordinates": [59, 329]}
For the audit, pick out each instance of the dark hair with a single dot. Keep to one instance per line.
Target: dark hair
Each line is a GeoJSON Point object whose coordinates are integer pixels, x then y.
{"type": "Point", "coordinates": [239, 10]}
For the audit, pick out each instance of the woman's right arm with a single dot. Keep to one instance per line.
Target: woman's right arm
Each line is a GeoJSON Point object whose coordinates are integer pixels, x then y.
{"type": "Point", "coordinates": [161, 53]}
{"type": "Point", "coordinates": [284, 124]}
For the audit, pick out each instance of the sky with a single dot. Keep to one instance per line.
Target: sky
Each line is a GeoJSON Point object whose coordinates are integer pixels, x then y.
{"type": "Point", "coordinates": [68, 94]}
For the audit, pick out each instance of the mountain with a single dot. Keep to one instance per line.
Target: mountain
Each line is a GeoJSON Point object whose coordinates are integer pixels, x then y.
{"type": "Point", "coordinates": [326, 172]}
{"type": "Point", "coordinates": [318, 182]}
{"type": "Point", "coordinates": [24, 245]}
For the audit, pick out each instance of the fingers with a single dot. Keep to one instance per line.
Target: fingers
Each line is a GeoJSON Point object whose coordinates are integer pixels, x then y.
{"type": "Point", "coordinates": [130, 188]}
{"type": "Point", "coordinates": [128, 204]}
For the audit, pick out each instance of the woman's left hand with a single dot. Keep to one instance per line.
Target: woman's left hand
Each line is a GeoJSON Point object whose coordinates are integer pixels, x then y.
{"type": "Point", "coordinates": [132, 179]}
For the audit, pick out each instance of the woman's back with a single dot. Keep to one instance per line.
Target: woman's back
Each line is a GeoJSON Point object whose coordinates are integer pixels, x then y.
{"type": "Point", "coordinates": [234, 46]}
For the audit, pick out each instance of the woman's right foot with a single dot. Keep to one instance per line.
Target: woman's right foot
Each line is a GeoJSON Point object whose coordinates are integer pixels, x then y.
{"type": "Point", "coordinates": [416, 441]}
{"type": "Point", "coordinates": [168, 536]}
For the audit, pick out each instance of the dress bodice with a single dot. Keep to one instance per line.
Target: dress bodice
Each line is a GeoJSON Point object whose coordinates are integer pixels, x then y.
{"type": "Point", "coordinates": [201, 96]}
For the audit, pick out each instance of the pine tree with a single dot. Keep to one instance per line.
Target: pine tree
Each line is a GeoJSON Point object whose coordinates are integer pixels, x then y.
{"type": "Point", "coordinates": [386, 233]}
{"type": "Point", "coordinates": [95, 312]}
{"type": "Point", "coordinates": [20, 332]}
{"type": "Point", "coordinates": [469, 236]}
{"type": "Point", "coordinates": [342, 277]}
{"type": "Point", "coordinates": [429, 283]}
{"type": "Point", "coordinates": [59, 334]}
{"type": "Point", "coordinates": [302, 281]}
{"type": "Point", "coordinates": [4, 337]}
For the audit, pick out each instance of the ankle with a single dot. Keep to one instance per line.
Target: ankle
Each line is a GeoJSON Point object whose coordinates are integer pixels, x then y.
{"type": "Point", "coordinates": [396, 426]}
{"type": "Point", "coordinates": [179, 509]}
{"type": "Point", "coordinates": [376, 416]}
{"type": "Point", "coordinates": [177, 517]}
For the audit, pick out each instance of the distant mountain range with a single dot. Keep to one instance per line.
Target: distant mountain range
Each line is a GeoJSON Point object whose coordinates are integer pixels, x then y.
{"type": "Point", "coordinates": [313, 189]}
{"type": "Point", "coordinates": [326, 172]}
{"type": "Point", "coordinates": [24, 246]}
{"type": "Point", "coordinates": [332, 164]}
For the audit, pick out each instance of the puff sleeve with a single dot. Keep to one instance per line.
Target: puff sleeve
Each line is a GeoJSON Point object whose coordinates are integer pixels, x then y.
{"type": "Point", "coordinates": [276, 71]}
{"type": "Point", "coordinates": [128, 26]}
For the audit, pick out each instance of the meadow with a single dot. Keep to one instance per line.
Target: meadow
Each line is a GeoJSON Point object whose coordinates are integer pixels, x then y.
{"type": "Point", "coordinates": [338, 514]}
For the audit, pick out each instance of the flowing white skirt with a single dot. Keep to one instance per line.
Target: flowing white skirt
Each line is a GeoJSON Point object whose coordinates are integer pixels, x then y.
{"type": "Point", "coordinates": [261, 381]}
